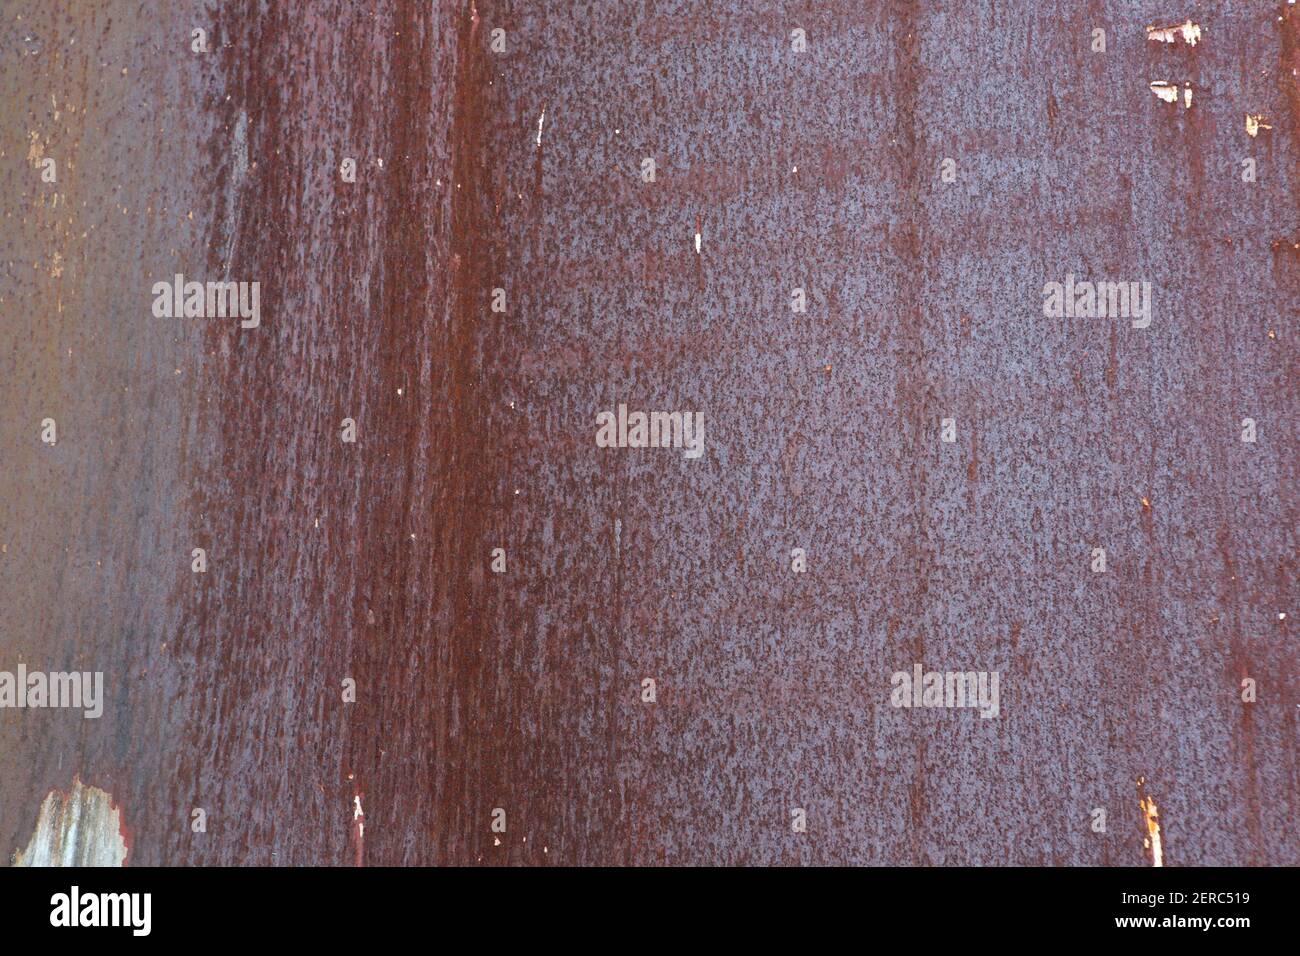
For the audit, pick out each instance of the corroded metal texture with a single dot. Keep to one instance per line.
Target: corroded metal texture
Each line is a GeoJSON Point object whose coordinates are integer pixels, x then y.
{"type": "Point", "coordinates": [522, 169]}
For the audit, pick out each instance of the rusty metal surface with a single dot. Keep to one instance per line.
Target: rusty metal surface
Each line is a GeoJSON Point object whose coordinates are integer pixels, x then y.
{"type": "Point", "coordinates": [521, 170]}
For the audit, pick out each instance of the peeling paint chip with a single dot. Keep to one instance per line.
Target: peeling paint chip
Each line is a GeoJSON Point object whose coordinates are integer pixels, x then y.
{"type": "Point", "coordinates": [1255, 123]}
{"type": "Point", "coordinates": [1166, 91]}
{"type": "Point", "coordinates": [1169, 92]}
{"type": "Point", "coordinates": [1190, 32]}
{"type": "Point", "coordinates": [78, 828]}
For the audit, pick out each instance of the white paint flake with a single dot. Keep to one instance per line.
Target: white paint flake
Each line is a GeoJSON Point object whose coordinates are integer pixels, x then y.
{"type": "Point", "coordinates": [1169, 92]}
{"type": "Point", "coordinates": [1256, 122]}
{"type": "Point", "coordinates": [79, 828]}
{"type": "Point", "coordinates": [1166, 91]}
{"type": "Point", "coordinates": [1189, 31]}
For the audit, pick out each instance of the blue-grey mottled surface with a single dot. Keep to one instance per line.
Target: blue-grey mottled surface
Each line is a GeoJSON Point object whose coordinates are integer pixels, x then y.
{"type": "Point", "coordinates": [476, 430]}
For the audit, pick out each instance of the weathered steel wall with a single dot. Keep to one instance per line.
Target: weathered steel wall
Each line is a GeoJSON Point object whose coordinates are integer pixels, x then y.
{"type": "Point", "coordinates": [774, 169]}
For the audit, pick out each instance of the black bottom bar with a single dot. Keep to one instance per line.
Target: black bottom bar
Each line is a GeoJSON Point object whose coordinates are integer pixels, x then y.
{"type": "Point", "coordinates": [337, 907]}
